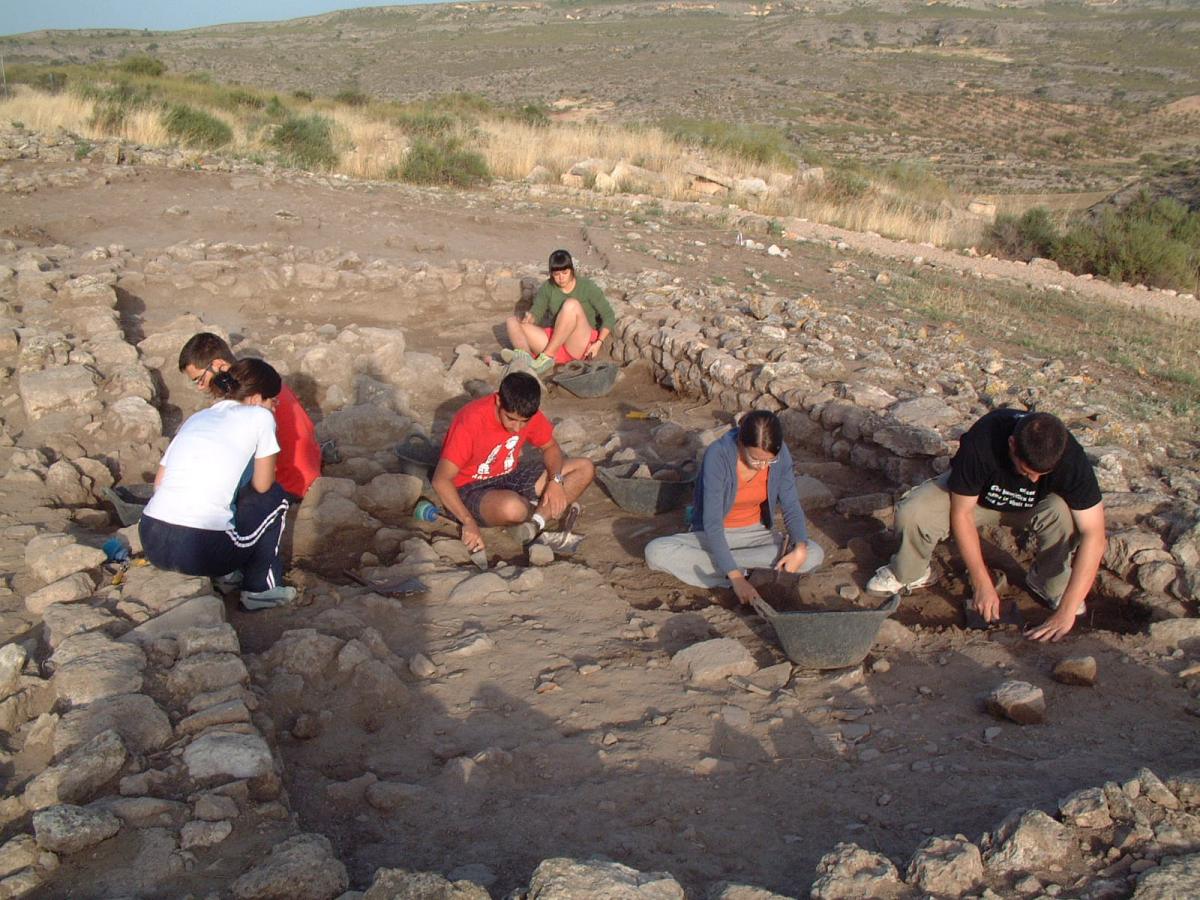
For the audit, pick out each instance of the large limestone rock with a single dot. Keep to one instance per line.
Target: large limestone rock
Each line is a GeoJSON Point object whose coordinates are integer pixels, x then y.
{"type": "Point", "coordinates": [195, 612]}
{"type": "Point", "coordinates": [63, 620]}
{"type": "Point", "coordinates": [12, 663]}
{"type": "Point", "coordinates": [366, 425]}
{"type": "Point", "coordinates": [849, 872]}
{"type": "Point", "coordinates": [713, 661]}
{"type": "Point", "coordinates": [54, 556]}
{"type": "Point", "coordinates": [1029, 841]}
{"type": "Point", "coordinates": [60, 387]}
{"type": "Point", "coordinates": [301, 868]}
{"type": "Point", "coordinates": [390, 497]}
{"type": "Point", "coordinates": [724, 890]}
{"type": "Point", "coordinates": [1174, 878]}
{"type": "Point", "coordinates": [79, 775]}
{"type": "Point", "coordinates": [390, 884]}
{"type": "Point", "coordinates": [946, 866]}
{"type": "Point", "coordinates": [69, 829]}
{"type": "Point", "coordinates": [229, 755]}
{"type": "Point", "coordinates": [135, 420]}
{"type": "Point", "coordinates": [92, 666]}
{"type": "Point", "coordinates": [331, 530]}
{"type": "Point", "coordinates": [1087, 808]}
{"type": "Point", "coordinates": [78, 586]}
{"type": "Point", "coordinates": [141, 723]}
{"type": "Point", "coordinates": [158, 590]}
{"type": "Point", "coordinates": [303, 651]}
{"type": "Point", "coordinates": [572, 879]}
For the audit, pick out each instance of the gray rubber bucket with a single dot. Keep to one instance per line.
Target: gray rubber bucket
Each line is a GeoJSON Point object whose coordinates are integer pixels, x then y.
{"type": "Point", "coordinates": [831, 639]}
{"type": "Point", "coordinates": [588, 379]}
{"type": "Point", "coordinates": [644, 496]}
{"type": "Point", "coordinates": [417, 456]}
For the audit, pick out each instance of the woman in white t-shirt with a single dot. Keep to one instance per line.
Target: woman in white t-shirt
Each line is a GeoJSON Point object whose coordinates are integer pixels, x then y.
{"type": "Point", "coordinates": [222, 456]}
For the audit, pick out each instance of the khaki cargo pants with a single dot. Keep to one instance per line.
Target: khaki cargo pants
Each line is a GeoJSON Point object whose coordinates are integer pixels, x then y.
{"type": "Point", "coordinates": [923, 521]}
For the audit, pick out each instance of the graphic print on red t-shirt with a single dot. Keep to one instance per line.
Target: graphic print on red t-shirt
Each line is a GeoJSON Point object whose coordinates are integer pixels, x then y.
{"type": "Point", "coordinates": [482, 448]}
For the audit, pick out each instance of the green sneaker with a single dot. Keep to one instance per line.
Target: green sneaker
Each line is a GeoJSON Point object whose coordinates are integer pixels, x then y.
{"type": "Point", "coordinates": [543, 364]}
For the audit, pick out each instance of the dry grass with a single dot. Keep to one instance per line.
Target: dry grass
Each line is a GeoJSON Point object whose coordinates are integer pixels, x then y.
{"type": "Point", "coordinates": [371, 144]}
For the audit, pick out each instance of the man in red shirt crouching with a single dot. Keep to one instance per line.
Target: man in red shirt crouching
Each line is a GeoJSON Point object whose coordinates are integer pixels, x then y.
{"type": "Point", "coordinates": [480, 479]}
{"type": "Point", "coordinates": [299, 464]}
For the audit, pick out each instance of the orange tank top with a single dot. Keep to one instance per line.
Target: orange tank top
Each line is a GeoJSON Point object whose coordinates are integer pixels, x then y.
{"type": "Point", "coordinates": [747, 505]}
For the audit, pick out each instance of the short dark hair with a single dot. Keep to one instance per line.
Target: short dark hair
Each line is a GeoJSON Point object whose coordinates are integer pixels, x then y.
{"type": "Point", "coordinates": [761, 429]}
{"type": "Point", "coordinates": [245, 378]}
{"type": "Point", "coordinates": [561, 259]}
{"type": "Point", "coordinates": [520, 394]}
{"type": "Point", "coordinates": [1041, 441]}
{"type": "Point", "coordinates": [203, 349]}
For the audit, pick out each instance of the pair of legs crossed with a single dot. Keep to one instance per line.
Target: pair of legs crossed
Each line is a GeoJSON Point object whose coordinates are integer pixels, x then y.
{"type": "Point", "coordinates": [568, 339]}
{"type": "Point", "coordinates": [923, 521]}
{"type": "Point", "coordinates": [252, 545]}
{"type": "Point", "coordinates": [687, 556]}
{"type": "Point", "coordinates": [513, 498]}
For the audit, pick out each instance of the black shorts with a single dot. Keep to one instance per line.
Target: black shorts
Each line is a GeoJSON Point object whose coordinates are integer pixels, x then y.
{"type": "Point", "coordinates": [522, 480]}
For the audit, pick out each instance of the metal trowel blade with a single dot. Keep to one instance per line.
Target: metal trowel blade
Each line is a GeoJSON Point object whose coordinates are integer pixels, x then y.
{"type": "Point", "coordinates": [479, 557]}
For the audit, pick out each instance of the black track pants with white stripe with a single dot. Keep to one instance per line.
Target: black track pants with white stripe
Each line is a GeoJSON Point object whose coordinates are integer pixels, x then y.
{"type": "Point", "coordinates": [252, 545]}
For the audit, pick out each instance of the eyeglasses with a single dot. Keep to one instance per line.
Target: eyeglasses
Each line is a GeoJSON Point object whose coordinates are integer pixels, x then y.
{"type": "Point", "coordinates": [758, 463]}
{"type": "Point", "coordinates": [199, 379]}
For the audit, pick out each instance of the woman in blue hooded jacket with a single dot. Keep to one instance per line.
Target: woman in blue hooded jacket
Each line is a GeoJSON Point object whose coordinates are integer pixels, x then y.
{"type": "Point", "coordinates": [745, 476]}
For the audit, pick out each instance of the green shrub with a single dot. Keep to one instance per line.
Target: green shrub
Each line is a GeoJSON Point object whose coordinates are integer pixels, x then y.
{"type": "Point", "coordinates": [1153, 242]}
{"type": "Point", "coordinates": [844, 186]}
{"type": "Point", "coordinates": [108, 117]}
{"type": "Point", "coordinates": [423, 123]}
{"type": "Point", "coordinates": [1023, 237]}
{"type": "Point", "coordinates": [275, 109]}
{"type": "Point", "coordinates": [306, 142]}
{"type": "Point", "coordinates": [83, 148]}
{"type": "Point", "coordinates": [236, 97]}
{"type": "Point", "coordinates": [196, 128]}
{"type": "Point", "coordinates": [352, 97]}
{"type": "Point", "coordinates": [915, 177]}
{"type": "Point", "coordinates": [51, 81]}
{"type": "Point", "coordinates": [444, 161]}
{"type": "Point", "coordinates": [142, 65]}
{"type": "Point", "coordinates": [303, 96]}
{"type": "Point", "coordinates": [755, 143]}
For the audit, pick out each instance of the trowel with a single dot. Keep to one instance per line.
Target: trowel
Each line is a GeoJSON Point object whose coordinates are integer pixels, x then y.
{"type": "Point", "coordinates": [1010, 614]}
{"type": "Point", "coordinates": [479, 557]}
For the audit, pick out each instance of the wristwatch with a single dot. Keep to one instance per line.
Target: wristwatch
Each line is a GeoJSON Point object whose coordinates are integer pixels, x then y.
{"type": "Point", "coordinates": [558, 479]}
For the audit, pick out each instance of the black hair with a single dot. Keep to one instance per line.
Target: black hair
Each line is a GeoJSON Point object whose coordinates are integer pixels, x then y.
{"type": "Point", "coordinates": [203, 349]}
{"type": "Point", "coordinates": [245, 378]}
{"type": "Point", "coordinates": [761, 429]}
{"type": "Point", "coordinates": [561, 259]}
{"type": "Point", "coordinates": [1041, 441]}
{"type": "Point", "coordinates": [520, 394]}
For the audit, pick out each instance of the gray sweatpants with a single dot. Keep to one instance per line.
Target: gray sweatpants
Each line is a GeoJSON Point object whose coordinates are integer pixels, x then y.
{"type": "Point", "coordinates": [923, 521]}
{"type": "Point", "coordinates": [686, 556]}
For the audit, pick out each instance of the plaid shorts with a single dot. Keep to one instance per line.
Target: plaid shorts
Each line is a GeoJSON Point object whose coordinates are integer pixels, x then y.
{"type": "Point", "coordinates": [522, 480]}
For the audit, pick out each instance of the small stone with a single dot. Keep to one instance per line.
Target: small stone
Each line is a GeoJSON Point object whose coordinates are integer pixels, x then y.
{"type": "Point", "coordinates": [1019, 701]}
{"type": "Point", "coordinates": [389, 795]}
{"type": "Point", "coordinates": [78, 586]}
{"type": "Point", "coordinates": [12, 663]}
{"type": "Point", "coordinates": [228, 754]}
{"type": "Point", "coordinates": [204, 834]}
{"type": "Point", "coordinates": [69, 829]}
{"type": "Point", "coordinates": [713, 661]}
{"type": "Point", "coordinates": [213, 807]}
{"type": "Point", "coordinates": [946, 866]}
{"type": "Point", "coordinates": [881, 666]}
{"type": "Point", "coordinates": [849, 871]}
{"type": "Point", "coordinates": [1156, 791]}
{"type": "Point", "coordinates": [1080, 670]}
{"type": "Point", "coordinates": [1087, 808]}
{"type": "Point", "coordinates": [303, 867]}
{"type": "Point", "coordinates": [540, 555]}
{"type": "Point", "coordinates": [421, 666]}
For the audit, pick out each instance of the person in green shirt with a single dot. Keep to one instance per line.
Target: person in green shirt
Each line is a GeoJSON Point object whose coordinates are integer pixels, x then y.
{"type": "Point", "coordinates": [582, 319]}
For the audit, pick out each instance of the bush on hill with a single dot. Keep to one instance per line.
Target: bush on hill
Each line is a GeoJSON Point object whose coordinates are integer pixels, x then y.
{"type": "Point", "coordinates": [443, 161]}
{"type": "Point", "coordinates": [196, 128]}
{"type": "Point", "coordinates": [1023, 237]}
{"type": "Point", "coordinates": [306, 142]}
{"type": "Point", "coordinates": [143, 65]}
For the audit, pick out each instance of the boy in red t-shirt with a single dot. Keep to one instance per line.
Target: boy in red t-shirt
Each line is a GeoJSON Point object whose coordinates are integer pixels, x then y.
{"type": "Point", "coordinates": [478, 477]}
{"type": "Point", "coordinates": [299, 464]}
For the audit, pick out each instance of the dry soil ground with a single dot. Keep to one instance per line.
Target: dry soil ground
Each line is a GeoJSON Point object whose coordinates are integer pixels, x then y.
{"type": "Point", "coordinates": [625, 759]}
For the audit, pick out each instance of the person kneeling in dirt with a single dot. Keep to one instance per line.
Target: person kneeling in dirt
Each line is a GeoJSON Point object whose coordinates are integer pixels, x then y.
{"type": "Point", "coordinates": [1019, 469]}
{"type": "Point", "coordinates": [189, 525]}
{"type": "Point", "coordinates": [206, 355]}
{"type": "Point", "coordinates": [581, 318]}
{"type": "Point", "coordinates": [744, 478]}
{"type": "Point", "coordinates": [479, 478]}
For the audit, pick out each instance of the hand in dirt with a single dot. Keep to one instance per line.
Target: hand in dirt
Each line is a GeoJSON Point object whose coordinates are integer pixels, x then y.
{"type": "Point", "coordinates": [472, 537]}
{"type": "Point", "coordinates": [592, 351]}
{"type": "Point", "coordinates": [793, 561]}
{"type": "Point", "coordinates": [743, 589]}
{"type": "Point", "coordinates": [554, 500]}
{"type": "Point", "coordinates": [987, 603]}
{"type": "Point", "coordinates": [1055, 628]}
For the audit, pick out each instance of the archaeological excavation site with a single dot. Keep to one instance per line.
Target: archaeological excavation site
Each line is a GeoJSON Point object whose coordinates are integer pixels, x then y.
{"type": "Point", "coordinates": [560, 724]}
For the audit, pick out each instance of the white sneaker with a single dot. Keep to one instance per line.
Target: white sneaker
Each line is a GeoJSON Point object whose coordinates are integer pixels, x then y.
{"type": "Point", "coordinates": [884, 581]}
{"type": "Point", "coordinates": [268, 599]}
{"type": "Point", "coordinates": [1037, 587]}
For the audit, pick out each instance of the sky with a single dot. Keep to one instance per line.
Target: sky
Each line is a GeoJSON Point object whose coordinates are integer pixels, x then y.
{"type": "Point", "coordinates": [18, 16]}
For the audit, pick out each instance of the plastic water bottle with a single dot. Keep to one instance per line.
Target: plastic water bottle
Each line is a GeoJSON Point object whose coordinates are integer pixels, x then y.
{"type": "Point", "coordinates": [425, 511]}
{"type": "Point", "coordinates": [689, 515]}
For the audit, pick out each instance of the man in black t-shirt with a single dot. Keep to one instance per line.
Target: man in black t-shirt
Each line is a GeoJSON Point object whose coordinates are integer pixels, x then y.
{"type": "Point", "coordinates": [1018, 469]}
